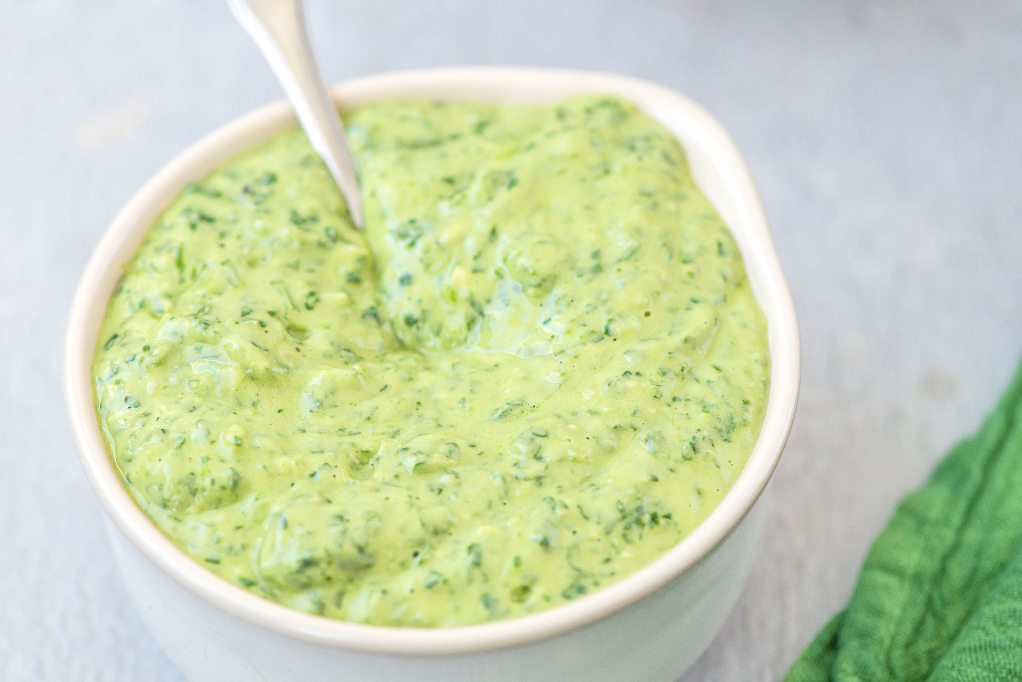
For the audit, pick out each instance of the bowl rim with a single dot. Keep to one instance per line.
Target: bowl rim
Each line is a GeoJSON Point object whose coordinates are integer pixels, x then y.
{"type": "Point", "coordinates": [460, 83]}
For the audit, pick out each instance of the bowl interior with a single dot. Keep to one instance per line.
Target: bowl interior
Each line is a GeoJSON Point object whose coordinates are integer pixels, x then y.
{"type": "Point", "coordinates": [718, 169]}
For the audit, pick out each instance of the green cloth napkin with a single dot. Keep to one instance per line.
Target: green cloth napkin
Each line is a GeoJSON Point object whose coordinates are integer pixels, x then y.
{"type": "Point", "coordinates": [940, 595]}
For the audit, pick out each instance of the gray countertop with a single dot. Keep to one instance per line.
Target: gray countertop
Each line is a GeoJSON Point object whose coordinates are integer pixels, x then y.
{"type": "Point", "coordinates": [886, 138]}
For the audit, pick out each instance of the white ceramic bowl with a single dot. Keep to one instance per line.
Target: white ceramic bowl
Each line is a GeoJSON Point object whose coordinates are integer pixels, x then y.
{"type": "Point", "coordinates": [650, 626]}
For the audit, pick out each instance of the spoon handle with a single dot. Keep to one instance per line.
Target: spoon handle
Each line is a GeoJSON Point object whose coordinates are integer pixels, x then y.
{"type": "Point", "coordinates": [278, 28]}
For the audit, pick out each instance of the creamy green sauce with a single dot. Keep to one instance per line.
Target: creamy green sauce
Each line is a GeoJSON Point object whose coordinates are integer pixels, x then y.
{"type": "Point", "coordinates": [539, 368]}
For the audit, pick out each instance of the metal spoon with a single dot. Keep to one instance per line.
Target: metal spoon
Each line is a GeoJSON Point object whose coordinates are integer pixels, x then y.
{"type": "Point", "coordinates": [278, 28]}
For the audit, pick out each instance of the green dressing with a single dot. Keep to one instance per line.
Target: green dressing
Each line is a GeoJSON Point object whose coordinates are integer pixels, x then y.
{"type": "Point", "coordinates": [539, 368]}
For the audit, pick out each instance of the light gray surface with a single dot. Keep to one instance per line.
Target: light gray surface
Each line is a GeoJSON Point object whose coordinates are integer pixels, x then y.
{"type": "Point", "coordinates": [886, 139]}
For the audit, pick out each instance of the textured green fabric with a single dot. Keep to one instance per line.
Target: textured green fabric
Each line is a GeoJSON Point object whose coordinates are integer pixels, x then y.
{"type": "Point", "coordinates": [940, 595]}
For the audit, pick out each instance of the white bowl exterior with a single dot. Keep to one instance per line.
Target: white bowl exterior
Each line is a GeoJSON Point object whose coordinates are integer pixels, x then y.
{"type": "Point", "coordinates": [655, 639]}
{"type": "Point", "coordinates": [687, 593]}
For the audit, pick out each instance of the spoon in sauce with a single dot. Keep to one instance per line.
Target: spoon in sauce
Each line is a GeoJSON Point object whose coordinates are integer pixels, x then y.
{"type": "Point", "coordinates": [278, 28]}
